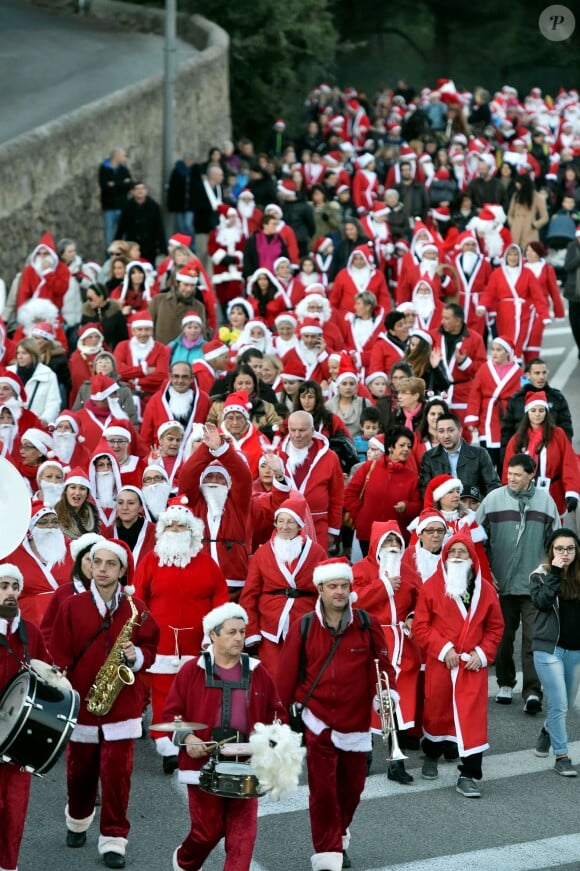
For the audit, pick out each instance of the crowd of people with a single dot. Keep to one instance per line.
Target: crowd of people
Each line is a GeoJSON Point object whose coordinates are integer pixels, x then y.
{"type": "Point", "coordinates": [328, 380]}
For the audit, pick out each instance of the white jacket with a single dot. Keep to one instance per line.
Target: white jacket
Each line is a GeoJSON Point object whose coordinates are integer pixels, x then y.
{"type": "Point", "coordinates": [42, 393]}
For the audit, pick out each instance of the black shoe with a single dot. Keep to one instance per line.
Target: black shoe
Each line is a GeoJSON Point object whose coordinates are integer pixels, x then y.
{"type": "Point", "coordinates": [532, 705]}
{"type": "Point", "coordinates": [450, 751]}
{"type": "Point", "coordinates": [397, 773]}
{"type": "Point", "coordinates": [369, 765]}
{"type": "Point", "coordinates": [114, 860]}
{"type": "Point", "coordinates": [76, 839]}
{"type": "Point", "coordinates": [170, 765]}
{"type": "Point", "coordinates": [346, 863]}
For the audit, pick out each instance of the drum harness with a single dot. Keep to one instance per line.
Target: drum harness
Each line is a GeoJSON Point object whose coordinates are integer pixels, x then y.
{"type": "Point", "coordinates": [24, 639]}
{"type": "Point", "coordinates": [214, 680]}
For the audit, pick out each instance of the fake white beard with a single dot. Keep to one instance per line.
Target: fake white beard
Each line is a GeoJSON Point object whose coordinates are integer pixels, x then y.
{"type": "Point", "coordinates": [180, 403]}
{"type": "Point", "coordinates": [425, 305]}
{"type": "Point", "coordinates": [390, 562]}
{"type": "Point", "coordinates": [307, 355]}
{"type": "Point", "coordinates": [259, 344]}
{"type": "Point", "coordinates": [7, 433]}
{"type": "Point", "coordinates": [287, 551]}
{"type": "Point", "coordinates": [50, 544]}
{"type": "Point", "coordinates": [229, 236]}
{"type": "Point", "coordinates": [456, 577]}
{"type": "Point", "coordinates": [64, 445]}
{"type": "Point", "coordinates": [174, 549]}
{"type": "Point", "coordinates": [493, 243]}
{"type": "Point", "coordinates": [14, 407]}
{"type": "Point", "coordinates": [155, 497]}
{"type": "Point", "coordinates": [51, 492]}
{"type": "Point", "coordinates": [426, 562]}
{"type": "Point", "coordinates": [88, 350]}
{"type": "Point", "coordinates": [468, 261]}
{"type": "Point", "coordinates": [140, 350]}
{"type": "Point", "coordinates": [215, 496]}
{"type": "Point", "coordinates": [106, 489]}
{"type": "Point", "coordinates": [284, 345]}
{"type": "Point", "coordinates": [361, 276]}
{"type": "Point", "coordinates": [419, 249]}
{"type": "Point", "coordinates": [296, 456]}
{"type": "Point", "coordinates": [428, 267]}
{"type": "Point", "coordinates": [115, 408]}
{"type": "Point", "coordinates": [246, 208]}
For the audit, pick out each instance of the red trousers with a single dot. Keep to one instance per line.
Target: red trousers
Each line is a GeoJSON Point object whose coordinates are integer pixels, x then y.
{"type": "Point", "coordinates": [212, 818]}
{"type": "Point", "coordinates": [160, 686]}
{"type": "Point", "coordinates": [14, 792]}
{"type": "Point", "coordinates": [112, 763]}
{"type": "Point", "coordinates": [269, 653]}
{"type": "Point", "coordinates": [336, 779]}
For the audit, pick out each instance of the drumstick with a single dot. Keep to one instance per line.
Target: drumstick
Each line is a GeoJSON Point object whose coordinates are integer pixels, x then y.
{"type": "Point", "coordinates": [213, 744]}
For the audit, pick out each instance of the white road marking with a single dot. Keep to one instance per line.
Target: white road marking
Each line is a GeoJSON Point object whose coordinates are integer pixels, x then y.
{"type": "Point", "coordinates": [565, 369]}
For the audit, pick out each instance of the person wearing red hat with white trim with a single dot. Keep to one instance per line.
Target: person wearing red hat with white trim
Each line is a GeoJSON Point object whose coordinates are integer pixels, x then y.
{"type": "Point", "coordinates": [142, 361]}
{"type": "Point", "coordinates": [134, 295]}
{"type": "Point", "coordinates": [312, 351]}
{"type": "Point", "coordinates": [213, 365]}
{"type": "Point", "coordinates": [120, 440]}
{"type": "Point", "coordinates": [206, 479]}
{"type": "Point", "coordinates": [82, 359]}
{"type": "Point", "coordinates": [492, 235]}
{"type": "Point", "coordinates": [428, 269]}
{"type": "Point", "coordinates": [458, 623]}
{"type": "Point", "coordinates": [104, 485]}
{"type": "Point", "coordinates": [240, 431]}
{"type": "Point", "coordinates": [473, 272]}
{"type": "Point", "coordinates": [22, 642]}
{"type": "Point", "coordinates": [225, 247]}
{"type": "Point", "coordinates": [278, 590]}
{"type": "Point", "coordinates": [101, 748]}
{"type": "Point", "coordinates": [180, 584]}
{"type": "Point", "coordinates": [375, 226]}
{"type": "Point", "coordinates": [337, 714]}
{"type": "Point", "coordinates": [99, 410]}
{"type": "Point", "coordinates": [360, 273]}
{"type": "Point", "coordinates": [179, 398]}
{"type": "Point", "coordinates": [250, 215]}
{"type": "Point", "coordinates": [365, 183]}
{"type": "Point", "coordinates": [45, 276]}
{"type": "Point", "coordinates": [43, 560]}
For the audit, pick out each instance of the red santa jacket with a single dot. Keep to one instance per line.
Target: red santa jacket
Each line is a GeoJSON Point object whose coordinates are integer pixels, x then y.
{"type": "Point", "coordinates": [228, 279]}
{"type": "Point", "coordinates": [40, 580]}
{"type": "Point", "coordinates": [352, 337]}
{"type": "Point", "coordinates": [136, 374]}
{"type": "Point", "coordinates": [158, 411]}
{"type": "Point", "coordinates": [488, 396]}
{"type": "Point", "coordinates": [252, 445]}
{"type": "Point", "coordinates": [470, 289]}
{"type": "Point", "coordinates": [78, 620]}
{"type": "Point", "coordinates": [384, 354]}
{"type": "Point", "coordinates": [178, 599]}
{"type": "Point", "coordinates": [10, 661]}
{"type": "Point", "coordinates": [387, 484]}
{"type": "Point", "coordinates": [230, 544]}
{"type": "Point", "coordinates": [264, 504]}
{"type": "Point", "coordinates": [268, 594]}
{"type": "Point", "coordinates": [556, 461]}
{"type": "Point", "coordinates": [344, 290]}
{"type": "Point", "coordinates": [365, 189]}
{"type": "Point", "coordinates": [51, 283]}
{"type": "Point", "coordinates": [460, 375]}
{"type": "Point", "coordinates": [511, 304]}
{"type": "Point", "coordinates": [321, 482]}
{"type": "Point", "coordinates": [81, 369]}
{"type": "Point", "coordinates": [91, 428]}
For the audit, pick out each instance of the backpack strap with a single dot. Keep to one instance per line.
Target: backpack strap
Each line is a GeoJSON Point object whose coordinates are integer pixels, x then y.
{"type": "Point", "coordinates": [305, 625]}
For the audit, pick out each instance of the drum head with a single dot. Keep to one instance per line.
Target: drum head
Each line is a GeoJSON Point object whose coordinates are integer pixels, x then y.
{"type": "Point", "coordinates": [12, 703]}
{"type": "Point", "coordinates": [50, 675]}
{"type": "Point", "coordinates": [240, 769]}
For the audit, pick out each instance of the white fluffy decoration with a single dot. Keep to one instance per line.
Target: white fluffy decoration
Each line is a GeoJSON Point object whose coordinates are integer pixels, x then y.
{"type": "Point", "coordinates": [277, 758]}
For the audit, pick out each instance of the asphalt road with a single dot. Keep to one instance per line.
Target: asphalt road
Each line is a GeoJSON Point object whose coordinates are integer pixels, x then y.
{"type": "Point", "coordinates": [52, 62]}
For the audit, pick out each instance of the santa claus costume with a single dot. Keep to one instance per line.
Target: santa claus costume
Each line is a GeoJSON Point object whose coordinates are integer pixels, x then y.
{"type": "Point", "coordinates": [379, 233]}
{"type": "Point", "coordinates": [45, 276]}
{"type": "Point", "coordinates": [167, 404]}
{"type": "Point", "coordinates": [464, 617]}
{"type": "Point", "coordinates": [546, 277]}
{"type": "Point", "coordinates": [204, 373]}
{"type": "Point", "coordinates": [22, 642]}
{"type": "Point", "coordinates": [490, 391]}
{"type": "Point", "coordinates": [68, 444]}
{"type": "Point", "coordinates": [100, 410]}
{"type": "Point", "coordinates": [362, 335]}
{"type": "Point", "coordinates": [278, 590]}
{"type": "Point", "coordinates": [460, 374]}
{"type": "Point", "coordinates": [250, 216]}
{"type": "Point", "coordinates": [473, 271]}
{"type": "Point", "coordinates": [492, 236]}
{"type": "Point", "coordinates": [82, 360]}
{"type": "Point", "coordinates": [143, 365]}
{"type": "Point", "coordinates": [101, 746]}
{"type": "Point", "coordinates": [252, 443]}
{"type": "Point", "coordinates": [365, 184]}
{"type": "Point", "coordinates": [104, 485]}
{"type": "Point", "coordinates": [179, 584]}
{"type": "Point", "coordinates": [352, 280]}
{"type": "Point", "coordinates": [225, 246]}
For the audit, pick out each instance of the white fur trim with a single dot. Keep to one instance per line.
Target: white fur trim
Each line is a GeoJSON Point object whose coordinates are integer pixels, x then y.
{"type": "Point", "coordinates": [111, 546]}
{"type": "Point", "coordinates": [332, 572]}
{"type": "Point", "coordinates": [109, 844]}
{"type": "Point", "coordinates": [123, 729]}
{"type": "Point", "coordinates": [432, 518]}
{"type": "Point", "coordinates": [165, 746]}
{"type": "Point", "coordinates": [188, 776]}
{"type": "Point", "coordinates": [299, 520]}
{"type": "Point", "coordinates": [77, 826]}
{"type": "Point", "coordinates": [9, 570]}
{"type": "Point", "coordinates": [481, 655]}
{"type": "Point", "coordinates": [167, 664]}
{"type": "Point", "coordinates": [84, 541]}
{"type": "Point", "coordinates": [443, 489]}
{"type": "Point", "coordinates": [346, 840]}
{"type": "Point", "coordinates": [446, 647]}
{"type": "Point", "coordinates": [534, 402]}
{"type": "Point", "coordinates": [228, 611]}
{"type": "Point", "coordinates": [85, 734]}
{"type": "Point", "coordinates": [118, 431]}
{"type": "Point", "coordinates": [140, 659]}
{"type": "Point", "coordinates": [326, 862]}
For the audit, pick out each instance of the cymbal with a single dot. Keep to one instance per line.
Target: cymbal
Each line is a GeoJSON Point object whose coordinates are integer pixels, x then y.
{"type": "Point", "coordinates": [175, 725]}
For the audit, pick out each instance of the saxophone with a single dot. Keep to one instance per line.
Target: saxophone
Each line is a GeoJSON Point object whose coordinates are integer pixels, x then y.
{"type": "Point", "coordinates": [114, 673]}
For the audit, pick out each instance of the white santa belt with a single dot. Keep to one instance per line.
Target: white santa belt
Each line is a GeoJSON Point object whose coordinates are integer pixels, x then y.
{"type": "Point", "coordinates": [119, 731]}
{"type": "Point", "coordinates": [168, 663]}
{"type": "Point", "coordinates": [231, 582]}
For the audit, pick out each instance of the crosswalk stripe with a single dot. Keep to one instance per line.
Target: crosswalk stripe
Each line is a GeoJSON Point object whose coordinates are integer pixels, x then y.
{"type": "Point", "coordinates": [551, 852]}
{"type": "Point", "coordinates": [557, 331]}
{"type": "Point", "coordinates": [553, 352]}
{"type": "Point", "coordinates": [565, 369]}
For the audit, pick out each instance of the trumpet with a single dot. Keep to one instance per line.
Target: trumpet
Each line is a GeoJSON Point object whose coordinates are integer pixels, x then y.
{"type": "Point", "coordinates": [387, 715]}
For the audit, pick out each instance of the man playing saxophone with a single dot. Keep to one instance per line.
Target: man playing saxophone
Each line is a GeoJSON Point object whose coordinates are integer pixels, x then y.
{"type": "Point", "coordinates": [97, 636]}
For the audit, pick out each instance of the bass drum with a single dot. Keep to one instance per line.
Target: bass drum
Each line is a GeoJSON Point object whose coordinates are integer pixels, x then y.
{"type": "Point", "coordinates": [229, 779]}
{"type": "Point", "coordinates": [36, 722]}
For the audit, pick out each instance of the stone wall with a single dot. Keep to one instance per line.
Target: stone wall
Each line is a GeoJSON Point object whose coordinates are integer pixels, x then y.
{"type": "Point", "coordinates": [48, 177]}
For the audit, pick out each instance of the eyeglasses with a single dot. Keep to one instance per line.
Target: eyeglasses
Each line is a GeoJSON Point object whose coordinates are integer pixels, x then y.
{"type": "Point", "coordinates": [434, 531]}
{"type": "Point", "coordinates": [117, 443]}
{"type": "Point", "coordinates": [47, 523]}
{"type": "Point", "coordinates": [560, 549]}
{"type": "Point", "coordinates": [27, 447]}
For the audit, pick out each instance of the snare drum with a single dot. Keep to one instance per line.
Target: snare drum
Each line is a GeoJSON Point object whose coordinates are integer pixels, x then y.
{"type": "Point", "coordinates": [229, 779]}
{"type": "Point", "coordinates": [36, 722]}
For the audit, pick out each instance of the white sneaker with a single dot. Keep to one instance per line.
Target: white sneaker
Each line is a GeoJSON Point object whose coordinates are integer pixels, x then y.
{"type": "Point", "coordinates": [504, 696]}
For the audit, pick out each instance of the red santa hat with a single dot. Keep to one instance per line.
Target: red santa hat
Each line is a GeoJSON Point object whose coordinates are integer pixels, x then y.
{"type": "Point", "coordinates": [158, 468]}
{"type": "Point", "coordinates": [142, 319]}
{"type": "Point", "coordinates": [187, 275]}
{"type": "Point", "coordinates": [123, 553]}
{"type": "Point", "coordinates": [216, 466]}
{"type": "Point", "coordinates": [374, 375]}
{"type": "Point", "coordinates": [336, 121]}
{"type": "Point", "coordinates": [379, 209]}
{"type": "Point", "coordinates": [427, 516]}
{"type": "Point", "coordinates": [280, 124]}
{"type": "Point", "coordinates": [365, 159]}
{"type": "Point", "coordinates": [168, 425]}
{"type": "Point", "coordinates": [48, 464]}
{"type": "Point", "coordinates": [9, 570]}
{"type": "Point", "coordinates": [537, 398]}
{"type": "Point", "coordinates": [422, 334]}
{"type": "Point", "coordinates": [466, 236]}
{"type": "Point", "coordinates": [178, 510]}
{"type": "Point", "coordinates": [39, 509]}
{"type": "Point", "coordinates": [310, 327]}
{"type": "Point", "coordinates": [336, 569]}
{"type": "Point", "coordinates": [246, 194]}
{"type": "Point", "coordinates": [191, 318]}
{"type": "Point", "coordinates": [378, 442]}
{"type": "Point", "coordinates": [365, 251]}
{"type": "Point", "coordinates": [44, 330]}
{"type": "Point", "coordinates": [346, 368]}
{"type": "Point", "coordinates": [243, 303]}
{"type": "Point", "coordinates": [389, 527]}
{"type": "Point", "coordinates": [341, 189]}
{"type": "Point", "coordinates": [14, 382]}
{"type": "Point", "coordinates": [505, 343]}
{"type": "Point", "coordinates": [117, 431]}
{"type": "Point", "coordinates": [577, 233]}
{"type": "Point", "coordinates": [88, 329]}
{"type": "Point", "coordinates": [68, 417]}
{"type": "Point", "coordinates": [440, 486]}
{"type": "Point", "coordinates": [324, 241]}
{"type": "Point", "coordinates": [214, 349]}
{"type": "Point", "coordinates": [238, 401]}
{"type": "Point", "coordinates": [285, 318]}
{"type": "Point", "coordinates": [84, 543]}
{"type": "Point", "coordinates": [229, 611]}
{"type": "Point", "coordinates": [497, 212]}
{"type": "Point", "coordinates": [407, 153]}
{"type": "Point", "coordinates": [40, 440]}
{"type": "Point", "coordinates": [287, 189]}
{"type": "Point", "coordinates": [102, 387]}
{"type": "Point", "coordinates": [296, 507]}
{"type": "Point", "coordinates": [78, 476]}
{"type": "Point", "coordinates": [441, 213]}
{"type": "Point", "coordinates": [180, 239]}
{"type": "Point", "coordinates": [294, 369]}
{"type": "Point", "coordinates": [224, 210]}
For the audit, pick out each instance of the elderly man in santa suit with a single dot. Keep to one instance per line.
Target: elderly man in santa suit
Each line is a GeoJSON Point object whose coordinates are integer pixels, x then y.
{"type": "Point", "coordinates": [458, 624]}
{"type": "Point", "coordinates": [278, 591]}
{"type": "Point", "coordinates": [141, 361]}
{"type": "Point", "coordinates": [493, 237]}
{"type": "Point", "coordinates": [100, 409]}
{"type": "Point", "coordinates": [250, 215]}
{"type": "Point", "coordinates": [424, 556]}
{"type": "Point", "coordinates": [120, 438]}
{"type": "Point", "coordinates": [473, 271]}
{"type": "Point", "coordinates": [238, 429]}
{"type": "Point", "coordinates": [389, 592]}
{"type": "Point", "coordinates": [429, 269]}
{"type": "Point", "coordinates": [156, 489]}
{"type": "Point", "coordinates": [314, 470]}
{"type": "Point", "coordinates": [180, 584]}
{"type": "Point", "coordinates": [105, 484]}
{"type": "Point", "coordinates": [311, 351]}
{"type": "Point", "coordinates": [225, 246]}
{"type": "Point", "coordinates": [360, 273]}
{"type": "Point", "coordinates": [316, 305]}
{"type": "Point", "coordinates": [22, 641]}
{"type": "Point", "coordinates": [179, 398]}
{"type": "Point", "coordinates": [45, 276]}
{"type": "Point", "coordinates": [217, 481]}
{"type": "Point", "coordinates": [68, 443]}
{"type": "Point", "coordinates": [44, 561]}
{"type": "Point", "coordinates": [427, 305]}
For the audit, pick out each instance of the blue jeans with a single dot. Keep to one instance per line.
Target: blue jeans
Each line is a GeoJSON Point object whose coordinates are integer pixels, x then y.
{"type": "Point", "coordinates": [184, 224]}
{"type": "Point", "coordinates": [110, 222]}
{"type": "Point", "coordinates": [560, 675]}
